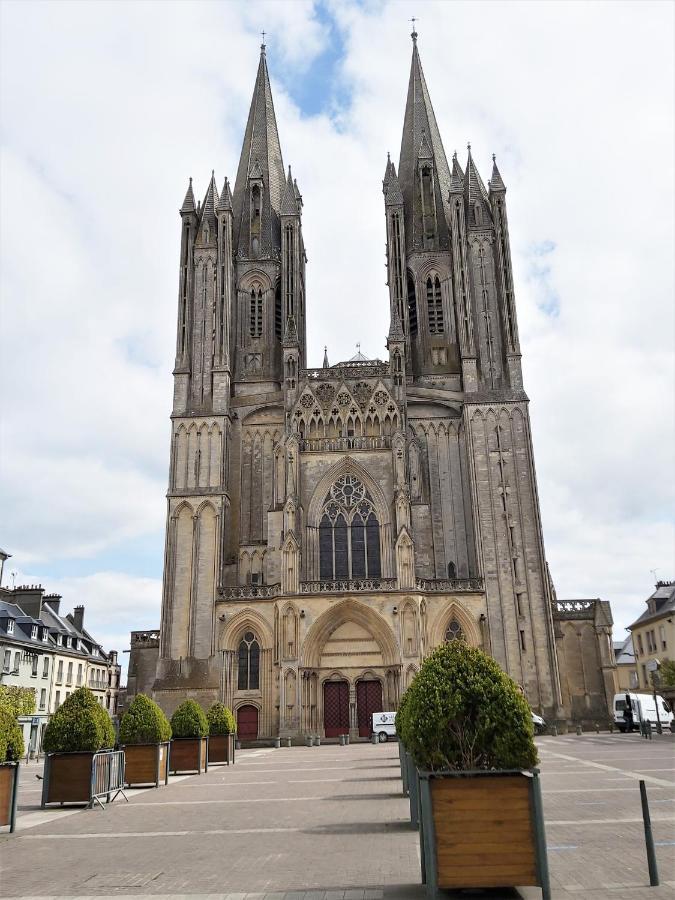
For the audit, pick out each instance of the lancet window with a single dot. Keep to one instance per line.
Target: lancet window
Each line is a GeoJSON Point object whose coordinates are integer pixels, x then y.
{"type": "Point", "coordinates": [349, 533]}
{"type": "Point", "coordinates": [256, 311]}
{"type": "Point", "coordinates": [249, 663]}
{"type": "Point", "coordinates": [412, 305]}
{"type": "Point", "coordinates": [435, 305]}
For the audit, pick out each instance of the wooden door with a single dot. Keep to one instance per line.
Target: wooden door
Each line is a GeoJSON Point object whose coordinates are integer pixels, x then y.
{"type": "Point", "coordinates": [336, 708]}
{"type": "Point", "coordinates": [368, 701]}
{"type": "Point", "coordinates": [247, 723]}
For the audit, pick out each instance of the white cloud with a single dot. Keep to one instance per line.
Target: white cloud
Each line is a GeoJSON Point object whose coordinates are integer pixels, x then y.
{"type": "Point", "coordinates": [122, 102]}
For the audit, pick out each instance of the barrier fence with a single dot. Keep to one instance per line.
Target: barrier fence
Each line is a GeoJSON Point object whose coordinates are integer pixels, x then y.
{"type": "Point", "coordinates": [107, 776]}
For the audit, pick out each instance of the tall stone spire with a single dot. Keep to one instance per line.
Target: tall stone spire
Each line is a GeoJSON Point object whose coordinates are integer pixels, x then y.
{"type": "Point", "coordinates": [421, 140]}
{"type": "Point", "coordinates": [260, 165]}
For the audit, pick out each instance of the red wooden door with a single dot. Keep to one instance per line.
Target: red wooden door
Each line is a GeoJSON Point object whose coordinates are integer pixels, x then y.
{"type": "Point", "coordinates": [247, 723]}
{"type": "Point", "coordinates": [368, 701]}
{"type": "Point", "coordinates": [336, 708]}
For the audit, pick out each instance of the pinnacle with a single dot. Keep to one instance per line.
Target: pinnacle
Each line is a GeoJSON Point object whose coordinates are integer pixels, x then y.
{"type": "Point", "coordinates": [225, 201]}
{"type": "Point", "coordinates": [289, 202]}
{"type": "Point", "coordinates": [189, 201]}
{"type": "Point", "coordinates": [457, 177]}
{"type": "Point", "coordinates": [496, 183]}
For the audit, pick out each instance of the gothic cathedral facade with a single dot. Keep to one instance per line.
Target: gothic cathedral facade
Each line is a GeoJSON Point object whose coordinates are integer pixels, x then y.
{"type": "Point", "coordinates": [328, 527]}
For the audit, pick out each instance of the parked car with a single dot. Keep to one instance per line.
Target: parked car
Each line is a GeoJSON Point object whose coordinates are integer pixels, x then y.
{"type": "Point", "coordinates": [642, 708]}
{"type": "Point", "coordinates": [383, 725]}
{"type": "Point", "coordinates": [539, 723]}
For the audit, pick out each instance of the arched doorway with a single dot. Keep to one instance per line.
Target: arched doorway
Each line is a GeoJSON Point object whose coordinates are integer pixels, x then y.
{"type": "Point", "coordinates": [335, 708]}
{"type": "Point", "coordinates": [368, 701]}
{"type": "Point", "coordinates": [247, 723]}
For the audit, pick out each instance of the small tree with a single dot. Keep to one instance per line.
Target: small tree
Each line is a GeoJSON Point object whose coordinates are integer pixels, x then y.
{"type": "Point", "coordinates": [667, 673]}
{"type": "Point", "coordinates": [19, 700]}
{"type": "Point", "coordinates": [144, 723]}
{"type": "Point", "coordinates": [12, 747]}
{"type": "Point", "coordinates": [189, 721]}
{"type": "Point", "coordinates": [221, 720]}
{"type": "Point", "coordinates": [463, 712]}
{"type": "Point", "coordinates": [79, 724]}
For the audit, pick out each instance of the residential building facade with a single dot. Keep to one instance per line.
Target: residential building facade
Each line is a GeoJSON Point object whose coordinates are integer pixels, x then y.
{"type": "Point", "coordinates": [653, 633]}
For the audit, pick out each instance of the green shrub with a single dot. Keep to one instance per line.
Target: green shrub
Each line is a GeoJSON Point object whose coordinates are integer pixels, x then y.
{"type": "Point", "coordinates": [189, 721]}
{"type": "Point", "coordinates": [463, 712]}
{"type": "Point", "coordinates": [667, 673]}
{"type": "Point", "coordinates": [19, 700]}
{"type": "Point", "coordinates": [80, 723]}
{"type": "Point", "coordinates": [11, 736]}
{"type": "Point", "coordinates": [221, 720]}
{"type": "Point", "coordinates": [144, 723]}
{"type": "Point", "coordinates": [400, 714]}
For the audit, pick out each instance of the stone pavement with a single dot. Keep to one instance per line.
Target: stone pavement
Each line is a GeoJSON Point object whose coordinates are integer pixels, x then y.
{"type": "Point", "coordinates": [330, 823]}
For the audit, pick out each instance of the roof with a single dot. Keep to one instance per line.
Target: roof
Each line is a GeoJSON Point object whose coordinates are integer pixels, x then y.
{"type": "Point", "coordinates": [659, 604]}
{"type": "Point", "coordinates": [624, 655]}
{"type": "Point", "coordinates": [358, 357]}
{"type": "Point", "coordinates": [260, 155]}
{"type": "Point", "coordinates": [421, 139]}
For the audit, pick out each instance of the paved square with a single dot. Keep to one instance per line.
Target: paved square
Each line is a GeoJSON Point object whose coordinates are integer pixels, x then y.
{"type": "Point", "coordinates": [330, 823]}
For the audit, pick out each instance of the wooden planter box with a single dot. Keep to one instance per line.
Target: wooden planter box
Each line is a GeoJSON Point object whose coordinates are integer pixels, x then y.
{"type": "Point", "coordinates": [189, 755]}
{"type": "Point", "coordinates": [221, 749]}
{"type": "Point", "coordinates": [67, 778]}
{"type": "Point", "coordinates": [146, 764]}
{"type": "Point", "coordinates": [482, 830]}
{"type": "Point", "coordinates": [9, 790]}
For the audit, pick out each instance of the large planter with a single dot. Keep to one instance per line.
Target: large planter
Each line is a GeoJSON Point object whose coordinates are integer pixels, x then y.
{"type": "Point", "coordinates": [404, 766]}
{"type": "Point", "coordinates": [221, 749]}
{"type": "Point", "coordinates": [189, 755]}
{"type": "Point", "coordinates": [82, 777]}
{"type": "Point", "coordinates": [9, 790]}
{"type": "Point", "coordinates": [482, 830]}
{"type": "Point", "coordinates": [147, 763]}
{"type": "Point", "coordinates": [413, 785]}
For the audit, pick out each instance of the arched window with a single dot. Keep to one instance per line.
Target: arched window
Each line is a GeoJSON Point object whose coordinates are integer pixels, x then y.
{"type": "Point", "coordinates": [412, 305]}
{"type": "Point", "coordinates": [435, 305]}
{"type": "Point", "coordinates": [249, 663]}
{"type": "Point", "coordinates": [349, 533]}
{"type": "Point", "coordinates": [454, 632]}
{"type": "Point", "coordinates": [256, 311]}
{"type": "Point", "coordinates": [452, 570]}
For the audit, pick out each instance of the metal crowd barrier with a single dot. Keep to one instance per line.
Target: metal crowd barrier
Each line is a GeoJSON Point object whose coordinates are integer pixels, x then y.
{"type": "Point", "coordinates": [107, 776]}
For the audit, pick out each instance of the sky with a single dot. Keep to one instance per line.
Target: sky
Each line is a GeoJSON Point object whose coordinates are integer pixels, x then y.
{"type": "Point", "coordinates": [108, 108]}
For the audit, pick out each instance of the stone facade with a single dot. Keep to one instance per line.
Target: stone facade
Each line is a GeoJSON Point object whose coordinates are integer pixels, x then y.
{"type": "Point", "coordinates": [327, 527]}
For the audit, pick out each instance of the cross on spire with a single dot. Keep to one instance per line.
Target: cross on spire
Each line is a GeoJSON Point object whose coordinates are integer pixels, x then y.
{"type": "Point", "coordinates": [414, 30]}
{"type": "Point", "coordinates": [262, 46]}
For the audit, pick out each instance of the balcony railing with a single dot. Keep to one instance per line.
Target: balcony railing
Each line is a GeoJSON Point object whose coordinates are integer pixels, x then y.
{"type": "Point", "coordinates": [352, 585]}
{"type": "Point", "coordinates": [251, 592]}
{"type": "Point", "coordinates": [365, 442]}
{"type": "Point", "coordinates": [574, 609]}
{"type": "Point", "coordinates": [449, 585]}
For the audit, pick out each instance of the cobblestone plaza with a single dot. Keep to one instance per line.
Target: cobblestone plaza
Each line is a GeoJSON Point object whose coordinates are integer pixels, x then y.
{"type": "Point", "coordinates": [330, 823]}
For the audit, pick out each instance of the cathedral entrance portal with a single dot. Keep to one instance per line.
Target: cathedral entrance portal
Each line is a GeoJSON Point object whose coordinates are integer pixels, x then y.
{"type": "Point", "coordinates": [336, 708]}
{"type": "Point", "coordinates": [368, 701]}
{"type": "Point", "coordinates": [247, 723]}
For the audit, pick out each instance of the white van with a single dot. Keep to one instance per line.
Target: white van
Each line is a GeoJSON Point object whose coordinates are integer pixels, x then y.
{"type": "Point", "coordinates": [643, 709]}
{"type": "Point", "coordinates": [383, 725]}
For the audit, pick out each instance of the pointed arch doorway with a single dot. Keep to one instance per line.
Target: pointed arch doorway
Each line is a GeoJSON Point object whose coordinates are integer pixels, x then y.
{"type": "Point", "coordinates": [335, 708]}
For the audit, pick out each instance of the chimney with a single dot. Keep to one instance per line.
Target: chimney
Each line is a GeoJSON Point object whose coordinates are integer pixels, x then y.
{"type": "Point", "coordinates": [53, 601]}
{"type": "Point", "coordinates": [78, 617]}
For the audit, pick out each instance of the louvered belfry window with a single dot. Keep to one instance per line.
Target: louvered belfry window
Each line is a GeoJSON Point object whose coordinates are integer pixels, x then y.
{"type": "Point", "coordinates": [349, 533]}
{"type": "Point", "coordinates": [435, 305]}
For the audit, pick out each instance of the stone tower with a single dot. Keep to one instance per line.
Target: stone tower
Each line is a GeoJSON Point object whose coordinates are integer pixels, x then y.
{"type": "Point", "coordinates": [327, 527]}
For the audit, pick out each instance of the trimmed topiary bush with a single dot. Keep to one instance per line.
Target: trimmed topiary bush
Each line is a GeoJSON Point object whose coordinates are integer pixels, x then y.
{"type": "Point", "coordinates": [221, 720]}
{"type": "Point", "coordinates": [144, 723]}
{"type": "Point", "coordinates": [12, 747]}
{"type": "Point", "coordinates": [79, 724]}
{"type": "Point", "coordinates": [189, 721]}
{"type": "Point", "coordinates": [463, 712]}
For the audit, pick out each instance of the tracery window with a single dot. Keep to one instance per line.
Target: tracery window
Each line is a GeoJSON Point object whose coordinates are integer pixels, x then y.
{"type": "Point", "coordinates": [256, 312]}
{"type": "Point", "coordinates": [349, 533]}
{"type": "Point", "coordinates": [249, 663]}
{"type": "Point", "coordinates": [454, 632]}
{"type": "Point", "coordinates": [435, 306]}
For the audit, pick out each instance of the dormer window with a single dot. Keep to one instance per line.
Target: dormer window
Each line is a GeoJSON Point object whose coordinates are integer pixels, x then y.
{"type": "Point", "coordinates": [477, 214]}
{"type": "Point", "coordinates": [256, 214]}
{"type": "Point", "coordinates": [69, 642]}
{"type": "Point", "coordinates": [10, 626]}
{"type": "Point", "coordinates": [34, 632]}
{"type": "Point", "coordinates": [94, 651]}
{"type": "Point", "coordinates": [59, 640]}
{"type": "Point", "coordinates": [45, 634]}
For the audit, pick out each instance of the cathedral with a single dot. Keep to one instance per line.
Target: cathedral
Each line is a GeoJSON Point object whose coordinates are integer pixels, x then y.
{"type": "Point", "coordinates": [328, 527]}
